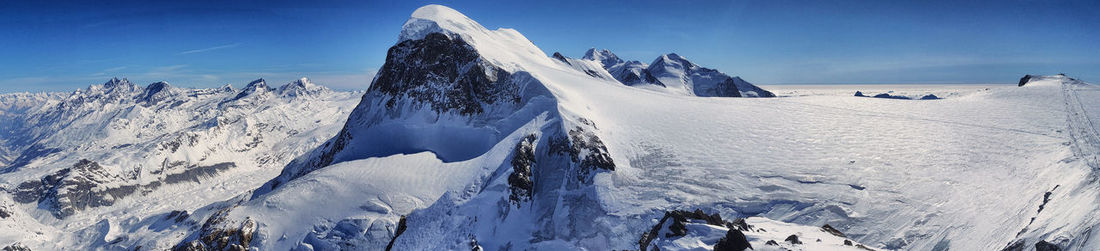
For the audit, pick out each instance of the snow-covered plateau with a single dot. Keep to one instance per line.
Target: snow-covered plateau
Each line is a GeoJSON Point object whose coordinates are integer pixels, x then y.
{"type": "Point", "coordinates": [476, 139]}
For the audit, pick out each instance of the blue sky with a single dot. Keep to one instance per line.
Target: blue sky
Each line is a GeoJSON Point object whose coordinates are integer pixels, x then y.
{"type": "Point", "coordinates": [61, 46]}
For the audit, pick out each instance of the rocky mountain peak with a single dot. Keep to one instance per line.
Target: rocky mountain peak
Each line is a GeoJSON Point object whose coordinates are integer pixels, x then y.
{"type": "Point", "coordinates": [115, 83]}
{"type": "Point", "coordinates": [605, 57]}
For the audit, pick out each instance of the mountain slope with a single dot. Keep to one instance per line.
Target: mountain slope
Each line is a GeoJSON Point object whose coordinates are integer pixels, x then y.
{"type": "Point", "coordinates": [472, 138]}
{"type": "Point", "coordinates": [121, 152]}
{"type": "Point", "coordinates": [580, 161]}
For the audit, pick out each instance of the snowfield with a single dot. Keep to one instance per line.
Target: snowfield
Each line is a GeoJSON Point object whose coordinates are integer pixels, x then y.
{"type": "Point", "coordinates": [471, 139]}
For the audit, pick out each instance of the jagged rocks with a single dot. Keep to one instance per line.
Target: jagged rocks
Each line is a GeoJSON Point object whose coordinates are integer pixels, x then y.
{"type": "Point", "coordinates": [219, 233]}
{"type": "Point", "coordinates": [82, 186]}
{"type": "Point", "coordinates": [585, 148]}
{"type": "Point", "coordinates": [676, 227]}
{"type": "Point", "coordinates": [1024, 80]}
{"type": "Point", "coordinates": [1043, 245]}
{"type": "Point", "coordinates": [16, 247]}
{"type": "Point", "coordinates": [523, 161]}
{"type": "Point", "coordinates": [829, 229]}
{"type": "Point", "coordinates": [733, 241]}
{"type": "Point", "coordinates": [177, 216]}
{"type": "Point", "coordinates": [4, 212]}
{"type": "Point", "coordinates": [72, 189]}
{"type": "Point", "coordinates": [860, 94]}
{"type": "Point", "coordinates": [444, 73]}
{"type": "Point", "coordinates": [793, 239]}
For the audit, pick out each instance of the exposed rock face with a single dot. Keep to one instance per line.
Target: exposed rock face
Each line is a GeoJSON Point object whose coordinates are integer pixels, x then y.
{"type": "Point", "coordinates": [1024, 80]}
{"type": "Point", "coordinates": [829, 229]}
{"type": "Point", "coordinates": [155, 93]}
{"type": "Point", "coordinates": [444, 73]}
{"type": "Point", "coordinates": [220, 233]}
{"type": "Point", "coordinates": [793, 239]}
{"type": "Point", "coordinates": [676, 220]}
{"type": "Point", "coordinates": [72, 189]}
{"type": "Point", "coordinates": [4, 212]}
{"type": "Point", "coordinates": [16, 247]}
{"type": "Point", "coordinates": [87, 184]}
{"type": "Point", "coordinates": [438, 74]}
{"type": "Point", "coordinates": [523, 161]}
{"type": "Point", "coordinates": [1046, 246]}
{"type": "Point", "coordinates": [586, 149]}
{"type": "Point", "coordinates": [733, 241]}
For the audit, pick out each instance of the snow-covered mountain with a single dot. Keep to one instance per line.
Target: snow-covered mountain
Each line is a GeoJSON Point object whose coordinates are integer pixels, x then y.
{"type": "Point", "coordinates": [118, 151]}
{"type": "Point", "coordinates": [470, 138]}
{"type": "Point", "coordinates": [675, 74]}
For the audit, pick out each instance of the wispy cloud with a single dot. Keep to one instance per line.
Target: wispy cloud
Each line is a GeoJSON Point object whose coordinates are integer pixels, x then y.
{"type": "Point", "coordinates": [109, 71]}
{"type": "Point", "coordinates": [225, 46]}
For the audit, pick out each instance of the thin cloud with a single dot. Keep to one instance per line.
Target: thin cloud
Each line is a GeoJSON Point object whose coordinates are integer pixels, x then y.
{"type": "Point", "coordinates": [226, 46]}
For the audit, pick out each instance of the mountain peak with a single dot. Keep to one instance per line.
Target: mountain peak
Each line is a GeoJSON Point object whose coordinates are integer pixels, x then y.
{"type": "Point", "coordinates": [501, 47]}
{"type": "Point", "coordinates": [159, 85]}
{"type": "Point", "coordinates": [300, 87]}
{"type": "Point", "coordinates": [115, 82]}
{"type": "Point", "coordinates": [604, 56]}
{"type": "Point", "coordinates": [435, 18]}
{"type": "Point", "coordinates": [256, 83]}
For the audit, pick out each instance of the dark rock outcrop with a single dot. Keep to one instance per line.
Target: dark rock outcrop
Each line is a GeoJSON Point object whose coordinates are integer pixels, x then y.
{"type": "Point", "coordinates": [929, 97]}
{"type": "Point", "coordinates": [4, 212]}
{"type": "Point", "coordinates": [82, 186]}
{"type": "Point", "coordinates": [16, 247]}
{"type": "Point", "coordinates": [887, 95]}
{"type": "Point", "coordinates": [793, 239]}
{"type": "Point", "coordinates": [401, 227]}
{"type": "Point", "coordinates": [220, 233]}
{"type": "Point", "coordinates": [676, 227]}
{"type": "Point", "coordinates": [177, 216]}
{"type": "Point", "coordinates": [585, 148]}
{"type": "Point", "coordinates": [1043, 245]}
{"type": "Point", "coordinates": [71, 189]}
{"type": "Point", "coordinates": [733, 241]}
{"type": "Point", "coordinates": [860, 94]}
{"type": "Point", "coordinates": [1024, 80]}
{"type": "Point", "coordinates": [444, 73]}
{"type": "Point", "coordinates": [829, 229]}
{"type": "Point", "coordinates": [523, 161]}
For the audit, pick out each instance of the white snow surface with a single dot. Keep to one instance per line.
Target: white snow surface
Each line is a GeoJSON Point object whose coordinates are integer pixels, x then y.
{"type": "Point", "coordinates": [968, 172]}
{"type": "Point", "coordinates": [141, 136]}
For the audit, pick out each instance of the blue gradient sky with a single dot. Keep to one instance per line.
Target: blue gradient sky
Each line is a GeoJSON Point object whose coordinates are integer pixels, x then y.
{"type": "Point", "coordinates": [64, 46]}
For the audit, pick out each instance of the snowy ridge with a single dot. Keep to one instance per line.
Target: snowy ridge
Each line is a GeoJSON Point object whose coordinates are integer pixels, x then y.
{"type": "Point", "coordinates": [673, 73]}
{"type": "Point", "coordinates": [580, 162]}
{"type": "Point", "coordinates": [126, 152]}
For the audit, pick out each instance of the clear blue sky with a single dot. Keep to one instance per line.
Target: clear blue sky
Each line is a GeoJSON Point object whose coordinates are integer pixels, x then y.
{"type": "Point", "coordinates": [64, 46]}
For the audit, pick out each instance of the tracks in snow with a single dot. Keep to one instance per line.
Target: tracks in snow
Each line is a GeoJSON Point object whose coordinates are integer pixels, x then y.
{"type": "Point", "coordinates": [1082, 132]}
